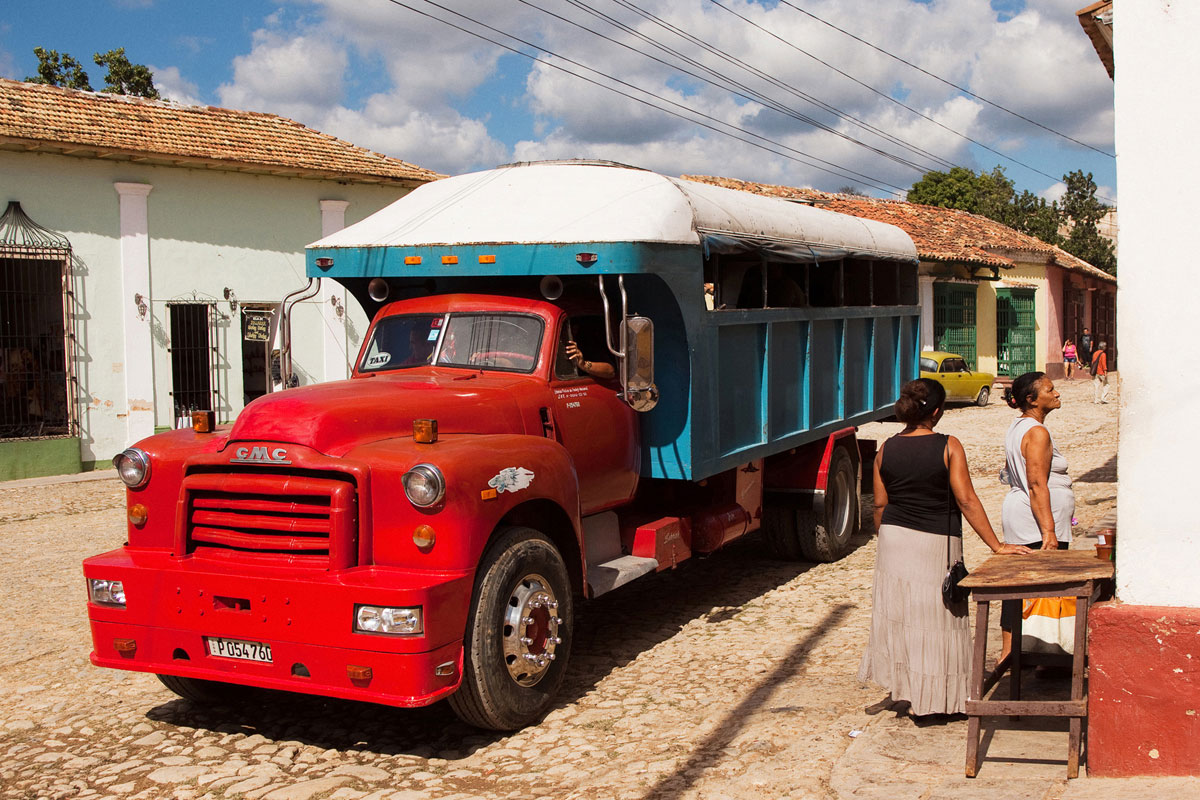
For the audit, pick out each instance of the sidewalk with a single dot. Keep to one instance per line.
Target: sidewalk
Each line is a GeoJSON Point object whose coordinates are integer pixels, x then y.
{"type": "Point", "coordinates": [51, 480]}
{"type": "Point", "coordinates": [894, 758]}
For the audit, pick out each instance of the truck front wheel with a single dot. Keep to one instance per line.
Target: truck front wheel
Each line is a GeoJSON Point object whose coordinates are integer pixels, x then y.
{"type": "Point", "coordinates": [206, 693]}
{"type": "Point", "coordinates": [518, 633]}
{"type": "Point", "coordinates": [826, 537]}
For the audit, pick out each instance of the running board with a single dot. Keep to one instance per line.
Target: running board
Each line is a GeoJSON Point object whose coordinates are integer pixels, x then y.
{"type": "Point", "coordinates": [618, 572]}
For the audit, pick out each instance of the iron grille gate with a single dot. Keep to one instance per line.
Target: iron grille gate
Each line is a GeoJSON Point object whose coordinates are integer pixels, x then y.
{"type": "Point", "coordinates": [37, 342]}
{"type": "Point", "coordinates": [954, 319]}
{"type": "Point", "coordinates": [1016, 331]}
{"type": "Point", "coordinates": [193, 359]}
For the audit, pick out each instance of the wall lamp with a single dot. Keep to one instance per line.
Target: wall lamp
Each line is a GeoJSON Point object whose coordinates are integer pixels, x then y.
{"type": "Point", "coordinates": [139, 302]}
{"type": "Point", "coordinates": [231, 296]}
{"type": "Point", "coordinates": [338, 307]}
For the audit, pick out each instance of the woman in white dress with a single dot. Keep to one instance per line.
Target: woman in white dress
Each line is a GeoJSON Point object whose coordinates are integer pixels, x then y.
{"type": "Point", "coordinates": [1037, 510]}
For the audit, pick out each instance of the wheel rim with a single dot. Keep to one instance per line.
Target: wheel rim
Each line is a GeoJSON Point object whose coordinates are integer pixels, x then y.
{"type": "Point", "coordinates": [531, 629]}
{"type": "Point", "coordinates": [983, 396]}
{"type": "Point", "coordinates": [841, 505]}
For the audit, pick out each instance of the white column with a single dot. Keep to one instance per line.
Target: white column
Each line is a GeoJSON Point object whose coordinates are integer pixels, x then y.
{"type": "Point", "coordinates": [336, 359]}
{"type": "Point", "coordinates": [135, 310]}
{"type": "Point", "coordinates": [1157, 129]}
{"type": "Point", "coordinates": [925, 283]}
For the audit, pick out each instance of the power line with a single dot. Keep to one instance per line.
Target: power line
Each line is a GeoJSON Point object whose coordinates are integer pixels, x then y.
{"type": "Point", "coordinates": [804, 160]}
{"type": "Point", "coordinates": [739, 89]}
{"type": "Point", "coordinates": [882, 94]}
{"type": "Point", "coordinates": [962, 89]}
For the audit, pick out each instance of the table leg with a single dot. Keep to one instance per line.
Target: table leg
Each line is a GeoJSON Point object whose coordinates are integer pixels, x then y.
{"type": "Point", "coordinates": [1078, 665]}
{"type": "Point", "coordinates": [1015, 672]}
{"type": "Point", "coordinates": [975, 689]}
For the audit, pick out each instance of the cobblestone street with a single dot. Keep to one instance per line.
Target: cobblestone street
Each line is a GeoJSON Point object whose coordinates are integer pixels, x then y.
{"type": "Point", "coordinates": [730, 677]}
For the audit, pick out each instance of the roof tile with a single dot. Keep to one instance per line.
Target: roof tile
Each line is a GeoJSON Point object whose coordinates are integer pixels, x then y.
{"type": "Point", "coordinates": [37, 117]}
{"type": "Point", "coordinates": [940, 234]}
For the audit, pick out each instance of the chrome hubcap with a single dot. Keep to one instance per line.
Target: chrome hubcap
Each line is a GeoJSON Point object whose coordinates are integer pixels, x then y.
{"type": "Point", "coordinates": [531, 629]}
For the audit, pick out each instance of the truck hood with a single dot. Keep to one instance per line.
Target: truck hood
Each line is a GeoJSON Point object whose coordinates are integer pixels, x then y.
{"type": "Point", "coordinates": [333, 417]}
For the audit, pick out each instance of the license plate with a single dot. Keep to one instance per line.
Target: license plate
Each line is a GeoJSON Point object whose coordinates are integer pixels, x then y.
{"type": "Point", "coordinates": [236, 648]}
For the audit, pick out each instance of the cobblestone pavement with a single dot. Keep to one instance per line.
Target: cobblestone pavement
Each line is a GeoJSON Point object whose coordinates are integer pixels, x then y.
{"type": "Point", "coordinates": [730, 677]}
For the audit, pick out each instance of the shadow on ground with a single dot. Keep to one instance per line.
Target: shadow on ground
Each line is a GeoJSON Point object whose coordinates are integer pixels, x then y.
{"type": "Point", "coordinates": [611, 631]}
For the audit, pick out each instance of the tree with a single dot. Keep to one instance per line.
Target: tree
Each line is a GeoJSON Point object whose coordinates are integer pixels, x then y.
{"type": "Point", "coordinates": [993, 195]}
{"type": "Point", "coordinates": [124, 78]}
{"type": "Point", "coordinates": [851, 190]}
{"type": "Point", "coordinates": [1080, 211]}
{"type": "Point", "coordinates": [56, 70]}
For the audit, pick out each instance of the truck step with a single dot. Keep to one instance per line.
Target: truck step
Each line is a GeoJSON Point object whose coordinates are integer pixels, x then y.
{"type": "Point", "coordinates": [618, 572]}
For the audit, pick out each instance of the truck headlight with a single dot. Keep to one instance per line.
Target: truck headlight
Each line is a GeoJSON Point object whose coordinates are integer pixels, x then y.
{"type": "Point", "coordinates": [133, 466]}
{"type": "Point", "coordinates": [424, 485]}
{"type": "Point", "coordinates": [385, 619]}
{"type": "Point", "coordinates": [106, 593]}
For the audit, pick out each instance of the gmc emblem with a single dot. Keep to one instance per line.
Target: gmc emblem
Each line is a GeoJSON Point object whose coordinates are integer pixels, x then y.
{"type": "Point", "coordinates": [259, 455]}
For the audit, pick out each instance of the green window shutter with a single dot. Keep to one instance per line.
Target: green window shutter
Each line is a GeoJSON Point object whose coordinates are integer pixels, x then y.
{"type": "Point", "coordinates": [1016, 331]}
{"type": "Point", "coordinates": [954, 319]}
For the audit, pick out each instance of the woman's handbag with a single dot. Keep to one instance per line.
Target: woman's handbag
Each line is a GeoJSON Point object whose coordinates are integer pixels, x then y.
{"type": "Point", "coordinates": [952, 593]}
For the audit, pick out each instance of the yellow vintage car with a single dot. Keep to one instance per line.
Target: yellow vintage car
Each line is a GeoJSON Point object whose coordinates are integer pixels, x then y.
{"type": "Point", "coordinates": [952, 372]}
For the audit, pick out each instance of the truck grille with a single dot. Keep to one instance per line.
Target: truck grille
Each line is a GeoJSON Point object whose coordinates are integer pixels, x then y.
{"type": "Point", "coordinates": [302, 520]}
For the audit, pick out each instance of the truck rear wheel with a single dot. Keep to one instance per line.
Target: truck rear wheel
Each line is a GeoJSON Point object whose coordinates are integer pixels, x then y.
{"type": "Point", "coordinates": [518, 633]}
{"type": "Point", "coordinates": [827, 537]}
{"type": "Point", "coordinates": [205, 693]}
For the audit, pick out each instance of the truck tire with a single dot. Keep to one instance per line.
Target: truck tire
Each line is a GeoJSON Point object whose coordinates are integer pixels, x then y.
{"type": "Point", "coordinates": [781, 533]}
{"type": "Point", "coordinates": [828, 538]}
{"type": "Point", "coordinates": [518, 637]}
{"type": "Point", "coordinates": [205, 693]}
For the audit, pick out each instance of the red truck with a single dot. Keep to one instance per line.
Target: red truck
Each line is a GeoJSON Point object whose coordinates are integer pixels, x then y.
{"type": "Point", "coordinates": [424, 529]}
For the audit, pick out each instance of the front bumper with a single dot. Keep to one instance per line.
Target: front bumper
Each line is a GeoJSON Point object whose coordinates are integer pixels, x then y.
{"type": "Point", "coordinates": [306, 616]}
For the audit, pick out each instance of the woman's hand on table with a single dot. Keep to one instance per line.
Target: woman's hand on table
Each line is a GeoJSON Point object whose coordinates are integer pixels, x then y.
{"type": "Point", "coordinates": [1011, 550]}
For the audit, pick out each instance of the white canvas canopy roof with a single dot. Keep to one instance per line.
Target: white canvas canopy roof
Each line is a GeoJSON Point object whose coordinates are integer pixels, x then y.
{"type": "Point", "coordinates": [576, 202]}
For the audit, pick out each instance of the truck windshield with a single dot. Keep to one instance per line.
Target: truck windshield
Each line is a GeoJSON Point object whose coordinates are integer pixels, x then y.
{"type": "Point", "coordinates": [402, 341]}
{"type": "Point", "coordinates": [507, 342]}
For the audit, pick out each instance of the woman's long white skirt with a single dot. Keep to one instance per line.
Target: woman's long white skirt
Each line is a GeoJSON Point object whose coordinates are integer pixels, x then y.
{"type": "Point", "coordinates": [919, 649]}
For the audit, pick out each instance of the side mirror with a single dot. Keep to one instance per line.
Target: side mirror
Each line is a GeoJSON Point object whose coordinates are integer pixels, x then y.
{"type": "Point", "coordinates": [638, 380]}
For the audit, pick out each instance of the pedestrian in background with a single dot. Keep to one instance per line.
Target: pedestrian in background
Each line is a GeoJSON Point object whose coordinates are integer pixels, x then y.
{"type": "Point", "coordinates": [1069, 356]}
{"type": "Point", "coordinates": [1085, 349]}
{"type": "Point", "coordinates": [1039, 505]}
{"type": "Point", "coordinates": [1099, 370]}
{"type": "Point", "coordinates": [919, 647]}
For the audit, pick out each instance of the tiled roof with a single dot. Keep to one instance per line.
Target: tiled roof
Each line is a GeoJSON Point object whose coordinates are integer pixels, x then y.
{"type": "Point", "coordinates": [91, 124]}
{"type": "Point", "coordinates": [940, 234]}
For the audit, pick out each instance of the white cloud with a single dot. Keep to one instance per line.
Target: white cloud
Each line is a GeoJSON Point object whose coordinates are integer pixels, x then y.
{"type": "Point", "coordinates": [173, 86]}
{"type": "Point", "coordinates": [296, 76]}
{"type": "Point", "coordinates": [395, 81]}
{"type": "Point", "coordinates": [8, 66]}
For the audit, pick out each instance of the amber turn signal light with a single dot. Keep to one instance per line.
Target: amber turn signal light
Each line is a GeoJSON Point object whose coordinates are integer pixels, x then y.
{"type": "Point", "coordinates": [425, 431]}
{"type": "Point", "coordinates": [125, 645]}
{"type": "Point", "coordinates": [356, 673]}
{"type": "Point", "coordinates": [204, 421]}
{"type": "Point", "coordinates": [424, 537]}
{"type": "Point", "coordinates": [138, 514]}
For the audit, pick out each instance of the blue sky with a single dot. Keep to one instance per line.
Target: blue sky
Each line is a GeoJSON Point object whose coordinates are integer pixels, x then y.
{"type": "Point", "coordinates": [384, 77]}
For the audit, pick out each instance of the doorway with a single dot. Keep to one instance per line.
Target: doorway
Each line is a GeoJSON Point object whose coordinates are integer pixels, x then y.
{"type": "Point", "coordinates": [259, 321]}
{"type": "Point", "coordinates": [1016, 331]}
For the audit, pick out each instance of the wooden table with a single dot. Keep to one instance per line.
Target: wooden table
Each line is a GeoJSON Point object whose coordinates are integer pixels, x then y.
{"type": "Point", "coordinates": [1059, 573]}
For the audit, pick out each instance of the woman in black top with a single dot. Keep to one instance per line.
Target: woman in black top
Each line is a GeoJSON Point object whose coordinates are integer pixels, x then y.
{"type": "Point", "coordinates": [920, 649]}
